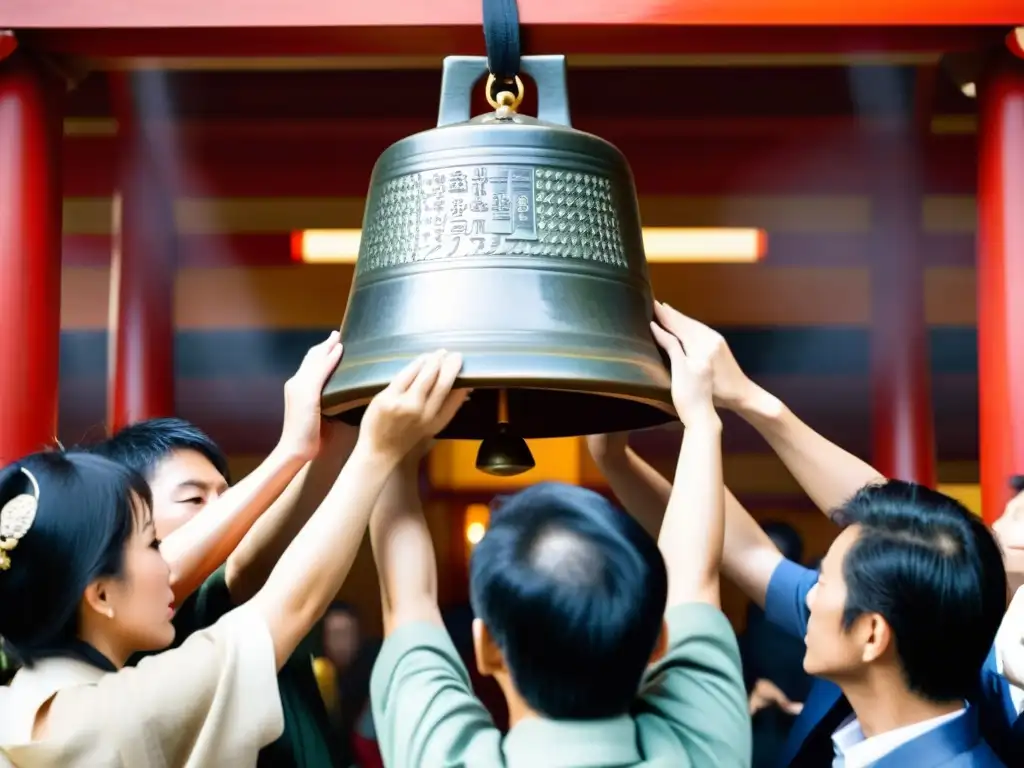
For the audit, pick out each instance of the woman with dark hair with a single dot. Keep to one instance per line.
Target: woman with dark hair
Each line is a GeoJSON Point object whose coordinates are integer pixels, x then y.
{"type": "Point", "coordinates": [83, 587]}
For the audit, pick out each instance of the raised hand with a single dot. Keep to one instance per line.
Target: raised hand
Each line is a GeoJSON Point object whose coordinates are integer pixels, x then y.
{"type": "Point", "coordinates": [300, 434]}
{"type": "Point", "coordinates": [731, 387]}
{"type": "Point", "coordinates": [691, 378]}
{"type": "Point", "coordinates": [417, 404]}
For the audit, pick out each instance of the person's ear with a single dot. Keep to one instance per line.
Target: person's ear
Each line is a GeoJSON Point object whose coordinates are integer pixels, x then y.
{"type": "Point", "coordinates": [489, 658]}
{"type": "Point", "coordinates": [875, 635]}
{"type": "Point", "coordinates": [660, 645]}
{"type": "Point", "coordinates": [96, 598]}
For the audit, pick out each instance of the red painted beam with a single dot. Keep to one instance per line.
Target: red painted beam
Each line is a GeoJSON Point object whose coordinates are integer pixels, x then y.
{"type": "Point", "coordinates": [390, 13]}
{"type": "Point", "coordinates": [682, 157]}
{"type": "Point", "coordinates": [94, 36]}
{"type": "Point", "coordinates": [633, 95]}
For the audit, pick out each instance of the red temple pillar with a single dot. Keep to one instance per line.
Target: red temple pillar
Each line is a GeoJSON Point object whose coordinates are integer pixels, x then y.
{"type": "Point", "coordinates": [31, 132]}
{"type": "Point", "coordinates": [1000, 280]}
{"type": "Point", "coordinates": [903, 438]}
{"type": "Point", "coordinates": [141, 351]}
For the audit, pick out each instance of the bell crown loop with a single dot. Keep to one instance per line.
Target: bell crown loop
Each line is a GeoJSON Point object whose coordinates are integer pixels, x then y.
{"type": "Point", "coordinates": [461, 73]}
{"type": "Point", "coordinates": [505, 99]}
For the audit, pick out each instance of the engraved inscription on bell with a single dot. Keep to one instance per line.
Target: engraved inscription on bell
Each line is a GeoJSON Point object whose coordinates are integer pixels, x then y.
{"type": "Point", "coordinates": [491, 210]}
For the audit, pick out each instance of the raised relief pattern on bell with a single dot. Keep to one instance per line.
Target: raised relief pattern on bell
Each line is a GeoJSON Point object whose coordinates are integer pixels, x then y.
{"type": "Point", "coordinates": [492, 210]}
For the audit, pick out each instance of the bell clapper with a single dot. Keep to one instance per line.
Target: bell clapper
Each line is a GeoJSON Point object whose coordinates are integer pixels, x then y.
{"type": "Point", "coordinates": [502, 453]}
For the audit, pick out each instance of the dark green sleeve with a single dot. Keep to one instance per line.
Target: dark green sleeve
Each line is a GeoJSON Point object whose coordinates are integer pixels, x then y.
{"type": "Point", "coordinates": [203, 607]}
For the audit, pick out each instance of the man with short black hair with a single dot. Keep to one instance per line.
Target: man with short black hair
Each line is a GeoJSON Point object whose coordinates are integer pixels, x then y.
{"type": "Point", "coordinates": [610, 649]}
{"type": "Point", "coordinates": [901, 618]}
{"type": "Point", "coordinates": [565, 584]}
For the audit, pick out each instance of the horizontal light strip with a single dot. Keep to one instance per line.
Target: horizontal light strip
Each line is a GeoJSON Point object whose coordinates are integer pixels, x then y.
{"type": "Point", "coordinates": [672, 245]}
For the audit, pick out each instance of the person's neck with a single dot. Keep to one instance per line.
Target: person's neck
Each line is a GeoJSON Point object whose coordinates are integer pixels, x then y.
{"type": "Point", "coordinates": [881, 703]}
{"type": "Point", "coordinates": [117, 656]}
{"type": "Point", "coordinates": [518, 709]}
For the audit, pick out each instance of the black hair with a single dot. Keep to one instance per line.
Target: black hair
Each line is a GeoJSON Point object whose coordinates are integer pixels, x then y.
{"type": "Point", "coordinates": [786, 538]}
{"type": "Point", "coordinates": [143, 445]}
{"type": "Point", "coordinates": [935, 573]}
{"type": "Point", "coordinates": [573, 591]}
{"type": "Point", "coordinates": [1017, 483]}
{"type": "Point", "coordinates": [87, 510]}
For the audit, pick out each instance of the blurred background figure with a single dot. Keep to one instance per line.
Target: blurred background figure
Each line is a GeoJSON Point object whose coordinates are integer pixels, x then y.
{"type": "Point", "coordinates": [343, 674]}
{"type": "Point", "coordinates": [342, 635]}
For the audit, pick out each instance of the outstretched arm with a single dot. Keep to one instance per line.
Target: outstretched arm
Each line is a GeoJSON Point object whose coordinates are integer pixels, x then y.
{"type": "Point", "coordinates": [828, 474]}
{"type": "Point", "coordinates": [200, 546]}
{"type": "Point", "coordinates": [697, 687]}
{"type": "Point", "coordinates": [694, 526]}
{"type": "Point", "coordinates": [403, 550]}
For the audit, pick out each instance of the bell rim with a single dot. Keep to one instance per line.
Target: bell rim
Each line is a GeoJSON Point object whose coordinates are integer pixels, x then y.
{"type": "Point", "coordinates": [335, 405]}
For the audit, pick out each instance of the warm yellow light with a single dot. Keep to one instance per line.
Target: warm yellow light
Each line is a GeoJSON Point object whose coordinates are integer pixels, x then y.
{"type": "Point", "coordinates": [475, 532]}
{"type": "Point", "coordinates": [711, 244]}
{"type": "Point", "coordinates": [661, 244]}
{"type": "Point", "coordinates": [476, 520]}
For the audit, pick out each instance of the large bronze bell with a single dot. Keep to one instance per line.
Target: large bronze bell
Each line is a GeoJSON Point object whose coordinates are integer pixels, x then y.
{"type": "Point", "coordinates": [515, 241]}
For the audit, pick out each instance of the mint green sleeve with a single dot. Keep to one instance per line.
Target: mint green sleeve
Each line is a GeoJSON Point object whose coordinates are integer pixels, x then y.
{"type": "Point", "coordinates": [423, 704]}
{"type": "Point", "coordinates": [694, 695]}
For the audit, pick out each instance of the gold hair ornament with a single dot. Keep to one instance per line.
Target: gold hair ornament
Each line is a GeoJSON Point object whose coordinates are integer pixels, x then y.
{"type": "Point", "coordinates": [16, 519]}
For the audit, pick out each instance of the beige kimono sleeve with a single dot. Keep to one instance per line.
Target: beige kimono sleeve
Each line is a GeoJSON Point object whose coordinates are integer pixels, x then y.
{"type": "Point", "coordinates": [212, 702]}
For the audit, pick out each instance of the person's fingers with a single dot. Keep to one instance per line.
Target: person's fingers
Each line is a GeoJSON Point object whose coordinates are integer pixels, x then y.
{"type": "Point", "coordinates": [451, 364]}
{"type": "Point", "coordinates": [669, 343]}
{"type": "Point", "coordinates": [684, 327]}
{"type": "Point", "coordinates": [334, 337]}
{"type": "Point", "coordinates": [405, 377]}
{"type": "Point", "coordinates": [329, 363]}
{"type": "Point", "coordinates": [427, 377]}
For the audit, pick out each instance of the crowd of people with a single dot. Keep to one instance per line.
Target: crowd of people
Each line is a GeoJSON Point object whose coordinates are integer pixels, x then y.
{"type": "Point", "coordinates": [158, 615]}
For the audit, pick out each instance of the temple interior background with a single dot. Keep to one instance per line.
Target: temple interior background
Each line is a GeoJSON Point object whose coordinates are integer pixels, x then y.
{"type": "Point", "coordinates": [806, 149]}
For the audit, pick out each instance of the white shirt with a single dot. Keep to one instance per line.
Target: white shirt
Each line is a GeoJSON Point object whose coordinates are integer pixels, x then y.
{"type": "Point", "coordinates": [852, 750]}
